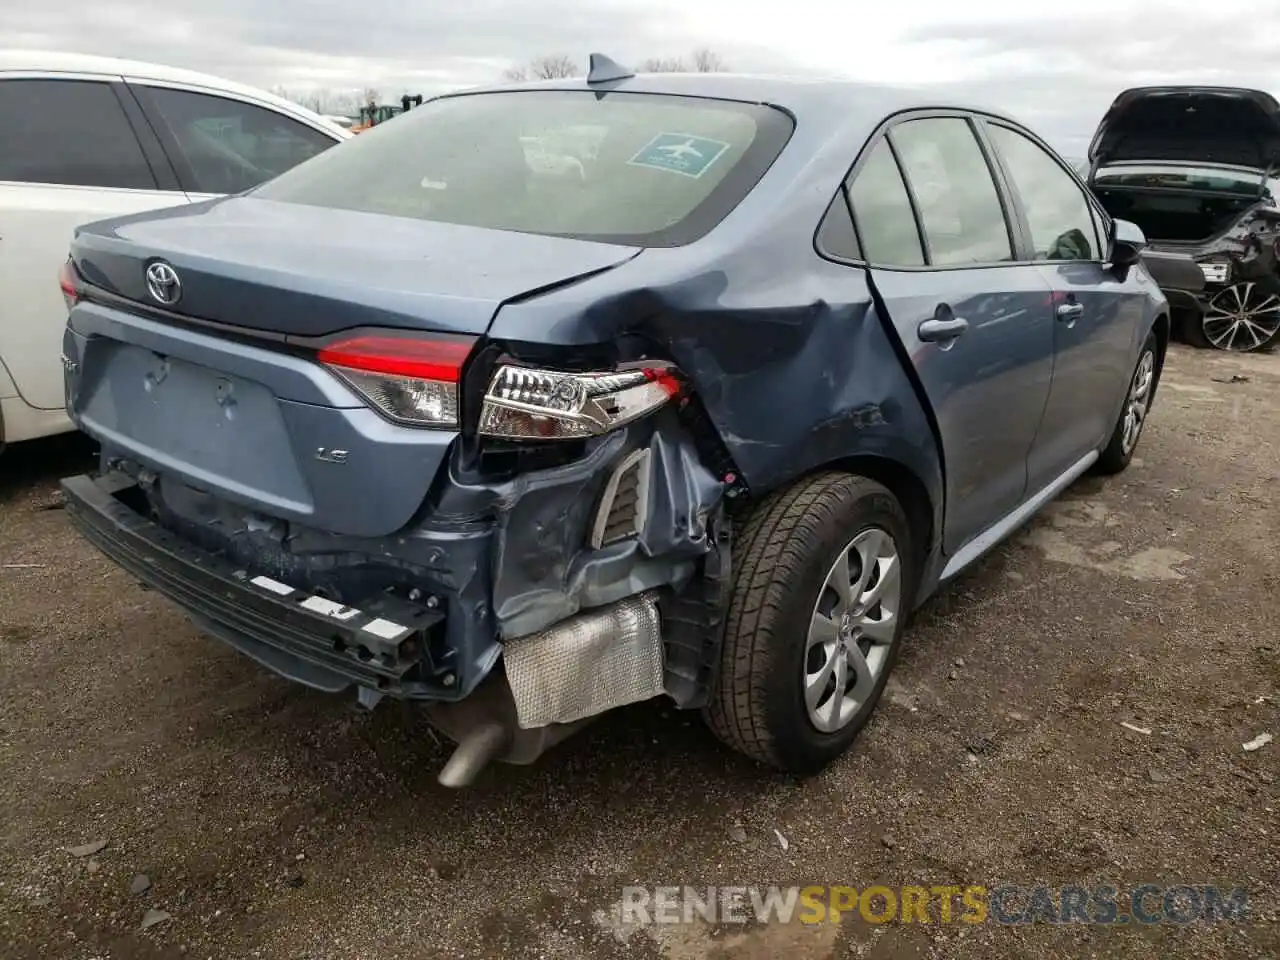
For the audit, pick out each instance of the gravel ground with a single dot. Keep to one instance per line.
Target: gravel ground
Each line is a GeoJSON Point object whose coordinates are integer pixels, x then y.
{"type": "Point", "coordinates": [273, 822]}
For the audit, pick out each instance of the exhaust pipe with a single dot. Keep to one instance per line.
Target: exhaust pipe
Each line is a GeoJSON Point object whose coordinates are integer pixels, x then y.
{"type": "Point", "coordinates": [551, 684]}
{"type": "Point", "coordinates": [481, 745]}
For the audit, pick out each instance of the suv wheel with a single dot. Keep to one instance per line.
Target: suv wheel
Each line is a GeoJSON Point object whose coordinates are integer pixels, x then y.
{"type": "Point", "coordinates": [1137, 404]}
{"type": "Point", "coordinates": [825, 575]}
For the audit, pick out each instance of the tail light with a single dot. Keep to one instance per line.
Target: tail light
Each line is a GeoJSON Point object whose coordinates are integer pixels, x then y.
{"type": "Point", "coordinates": [409, 380]}
{"type": "Point", "coordinates": [69, 281]}
{"type": "Point", "coordinates": [527, 404]}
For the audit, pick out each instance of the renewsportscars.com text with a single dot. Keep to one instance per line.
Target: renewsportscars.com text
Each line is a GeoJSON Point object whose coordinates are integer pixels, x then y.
{"type": "Point", "coordinates": [935, 904]}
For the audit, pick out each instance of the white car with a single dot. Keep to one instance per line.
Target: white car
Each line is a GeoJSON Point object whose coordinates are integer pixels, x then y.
{"type": "Point", "coordinates": [86, 138]}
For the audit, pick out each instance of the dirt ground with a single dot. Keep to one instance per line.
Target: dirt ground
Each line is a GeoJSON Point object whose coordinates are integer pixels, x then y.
{"type": "Point", "coordinates": [273, 822]}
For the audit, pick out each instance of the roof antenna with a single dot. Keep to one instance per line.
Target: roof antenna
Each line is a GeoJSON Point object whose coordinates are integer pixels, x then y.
{"type": "Point", "coordinates": [602, 69]}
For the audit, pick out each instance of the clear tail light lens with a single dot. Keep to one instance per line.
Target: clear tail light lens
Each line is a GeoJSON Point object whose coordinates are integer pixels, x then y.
{"type": "Point", "coordinates": [411, 381]}
{"type": "Point", "coordinates": [527, 404]}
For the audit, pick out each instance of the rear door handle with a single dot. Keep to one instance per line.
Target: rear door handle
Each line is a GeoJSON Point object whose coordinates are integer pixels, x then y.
{"type": "Point", "coordinates": [1070, 311]}
{"type": "Point", "coordinates": [940, 330]}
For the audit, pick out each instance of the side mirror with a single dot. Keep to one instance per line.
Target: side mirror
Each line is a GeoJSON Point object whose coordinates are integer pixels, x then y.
{"type": "Point", "coordinates": [1127, 243]}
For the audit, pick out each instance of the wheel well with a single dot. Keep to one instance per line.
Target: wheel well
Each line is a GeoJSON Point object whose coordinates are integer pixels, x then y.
{"type": "Point", "coordinates": [1162, 330]}
{"type": "Point", "coordinates": [904, 484]}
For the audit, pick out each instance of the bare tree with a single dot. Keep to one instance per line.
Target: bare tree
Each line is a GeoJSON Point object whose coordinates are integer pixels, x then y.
{"type": "Point", "coordinates": [663, 65]}
{"type": "Point", "coordinates": [706, 60]}
{"type": "Point", "coordinates": [544, 68]}
{"type": "Point", "coordinates": [703, 60]}
{"type": "Point", "coordinates": [344, 103]}
{"type": "Point", "coordinates": [312, 100]}
{"type": "Point", "coordinates": [325, 100]}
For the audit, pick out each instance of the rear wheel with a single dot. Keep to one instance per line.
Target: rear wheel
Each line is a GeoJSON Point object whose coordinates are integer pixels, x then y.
{"type": "Point", "coordinates": [825, 575]}
{"type": "Point", "coordinates": [1133, 417]}
{"type": "Point", "coordinates": [1242, 317]}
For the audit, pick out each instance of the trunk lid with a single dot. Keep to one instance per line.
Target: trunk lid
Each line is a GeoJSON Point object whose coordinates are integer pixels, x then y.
{"type": "Point", "coordinates": [270, 432]}
{"type": "Point", "coordinates": [1196, 124]}
{"type": "Point", "coordinates": [295, 270]}
{"type": "Point", "coordinates": [262, 426]}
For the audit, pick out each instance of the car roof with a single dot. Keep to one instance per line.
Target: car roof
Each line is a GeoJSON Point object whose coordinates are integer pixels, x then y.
{"type": "Point", "coordinates": [834, 120]}
{"type": "Point", "coordinates": [44, 61]}
{"type": "Point", "coordinates": [1206, 88]}
{"type": "Point", "coordinates": [835, 100]}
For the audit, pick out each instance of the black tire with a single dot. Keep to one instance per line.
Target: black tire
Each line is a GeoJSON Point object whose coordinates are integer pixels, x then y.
{"type": "Point", "coordinates": [784, 549]}
{"type": "Point", "coordinates": [1193, 332]}
{"type": "Point", "coordinates": [1115, 457]}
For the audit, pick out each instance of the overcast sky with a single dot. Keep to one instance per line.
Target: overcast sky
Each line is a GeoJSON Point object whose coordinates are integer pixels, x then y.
{"type": "Point", "coordinates": [1056, 66]}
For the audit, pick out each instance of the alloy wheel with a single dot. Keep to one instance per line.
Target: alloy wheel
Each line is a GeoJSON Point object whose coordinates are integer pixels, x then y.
{"type": "Point", "coordinates": [1242, 317]}
{"type": "Point", "coordinates": [1135, 412]}
{"type": "Point", "coordinates": [852, 630]}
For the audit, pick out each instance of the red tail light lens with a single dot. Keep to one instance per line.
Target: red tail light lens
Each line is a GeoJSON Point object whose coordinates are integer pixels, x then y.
{"type": "Point", "coordinates": [526, 404]}
{"type": "Point", "coordinates": [409, 380]}
{"type": "Point", "coordinates": [69, 281]}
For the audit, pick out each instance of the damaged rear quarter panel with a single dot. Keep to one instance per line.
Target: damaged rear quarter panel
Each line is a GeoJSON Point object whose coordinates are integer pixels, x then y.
{"type": "Point", "coordinates": [544, 569]}
{"type": "Point", "coordinates": [784, 349]}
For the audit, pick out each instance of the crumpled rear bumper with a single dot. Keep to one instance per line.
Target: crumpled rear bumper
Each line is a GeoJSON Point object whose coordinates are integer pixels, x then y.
{"type": "Point", "coordinates": [382, 646]}
{"type": "Point", "coordinates": [597, 582]}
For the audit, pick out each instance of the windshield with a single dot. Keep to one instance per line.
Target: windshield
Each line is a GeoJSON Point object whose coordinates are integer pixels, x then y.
{"type": "Point", "coordinates": [1176, 176]}
{"type": "Point", "coordinates": [626, 168]}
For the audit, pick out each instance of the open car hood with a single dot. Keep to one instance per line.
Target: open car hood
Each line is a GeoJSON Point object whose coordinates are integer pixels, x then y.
{"type": "Point", "coordinates": [1191, 124]}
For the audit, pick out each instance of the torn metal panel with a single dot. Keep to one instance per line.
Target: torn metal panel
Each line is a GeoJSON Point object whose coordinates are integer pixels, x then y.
{"type": "Point", "coordinates": [541, 523]}
{"type": "Point", "coordinates": [693, 618]}
{"type": "Point", "coordinates": [444, 567]}
{"type": "Point", "coordinates": [500, 559]}
{"type": "Point", "coordinates": [544, 567]}
{"type": "Point", "coordinates": [682, 493]}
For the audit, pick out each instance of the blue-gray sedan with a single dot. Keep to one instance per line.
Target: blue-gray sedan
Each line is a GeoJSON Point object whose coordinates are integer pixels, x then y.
{"type": "Point", "coordinates": [541, 400]}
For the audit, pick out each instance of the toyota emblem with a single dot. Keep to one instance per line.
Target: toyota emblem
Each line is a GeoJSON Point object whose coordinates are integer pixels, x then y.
{"type": "Point", "coordinates": [163, 283]}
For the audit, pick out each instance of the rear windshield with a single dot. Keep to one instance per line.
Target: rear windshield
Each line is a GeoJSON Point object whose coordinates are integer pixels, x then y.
{"type": "Point", "coordinates": [644, 169]}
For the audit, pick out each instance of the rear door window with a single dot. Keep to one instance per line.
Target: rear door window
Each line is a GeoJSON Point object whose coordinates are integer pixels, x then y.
{"type": "Point", "coordinates": [882, 211]}
{"type": "Point", "coordinates": [960, 209]}
{"type": "Point", "coordinates": [641, 169]}
{"type": "Point", "coordinates": [835, 234]}
{"type": "Point", "coordinates": [71, 132]}
{"type": "Point", "coordinates": [1059, 215]}
{"type": "Point", "coordinates": [228, 146]}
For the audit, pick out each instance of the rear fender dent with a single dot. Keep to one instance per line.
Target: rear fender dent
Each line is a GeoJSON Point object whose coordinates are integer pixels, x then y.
{"type": "Point", "coordinates": [877, 420]}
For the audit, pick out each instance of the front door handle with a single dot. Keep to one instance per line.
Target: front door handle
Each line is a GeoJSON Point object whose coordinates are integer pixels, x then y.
{"type": "Point", "coordinates": [940, 330]}
{"type": "Point", "coordinates": [1070, 311]}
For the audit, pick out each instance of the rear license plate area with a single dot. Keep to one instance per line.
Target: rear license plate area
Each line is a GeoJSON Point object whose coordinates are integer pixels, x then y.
{"type": "Point", "coordinates": [215, 429]}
